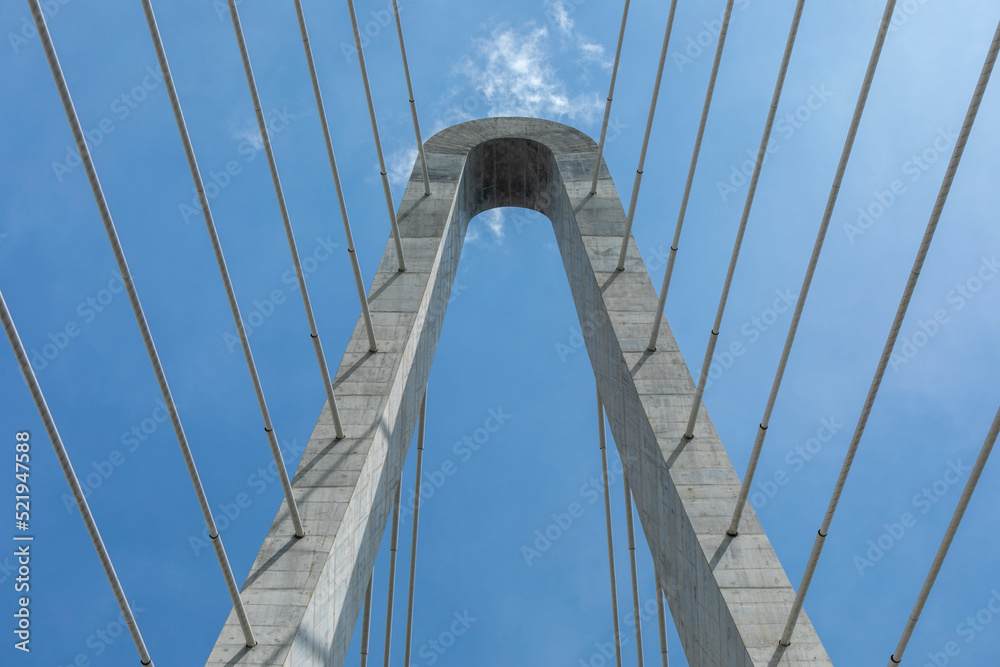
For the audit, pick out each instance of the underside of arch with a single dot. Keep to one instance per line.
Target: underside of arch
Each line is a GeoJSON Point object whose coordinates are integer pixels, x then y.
{"type": "Point", "coordinates": [729, 597]}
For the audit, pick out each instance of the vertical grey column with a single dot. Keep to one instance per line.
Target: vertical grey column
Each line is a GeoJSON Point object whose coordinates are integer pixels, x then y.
{"type": "Point", "coordinates": [631, 556]}
{"type": "Point", "coordinates": [603, 438]}
{"type": "Point", "coordinates": [416, 522]}
{"type": "Point", "coordinates": [366, 622]}
{"type": "Point", "coordinates": [661, 621]}
{"type": "Point", "coordinates": [393, 547]}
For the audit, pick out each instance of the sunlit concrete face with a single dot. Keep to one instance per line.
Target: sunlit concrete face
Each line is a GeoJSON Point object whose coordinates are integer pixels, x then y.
{"type": "Point", "coordinates": [728, 597]}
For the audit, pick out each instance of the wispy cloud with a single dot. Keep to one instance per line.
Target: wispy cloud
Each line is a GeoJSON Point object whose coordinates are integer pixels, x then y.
{"type": "Point", "coordinates": [592, 52]}
{"type": "Point", "coordinates": [588, 52]}
{"type": "Point", "coordinates": [400, 165]}
{"type": "Point", "coordinates": [560, 17]}
{"type": "Point", "coordinates": [249, 133]}
{"type": "Point", "coordinates": [487, 227]}
{"type": "Point", "coordinates": [512, 72]}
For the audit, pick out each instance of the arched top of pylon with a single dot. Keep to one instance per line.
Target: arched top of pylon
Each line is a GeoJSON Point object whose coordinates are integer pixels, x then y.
{"type": "Point", "coordinates": [557, 137]}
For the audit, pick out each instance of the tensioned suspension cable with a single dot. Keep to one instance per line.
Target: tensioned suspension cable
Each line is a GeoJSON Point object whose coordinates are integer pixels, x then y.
{"type": "Point", "coordinates": [897, 322]}
{"type": "Point", "coordinates": [227, 282]}
{"type": "Point", "coordinates": [645, 139]}
{"type": "Point", "coordinates": [289, 234]}
{"type": "Point", "coordinates": [737, 246]}
{"type": "Point", "coordinates": [355, 264]}
{"type": "Point", "coordinates": [413, 104]}
{"type": "Point", "coordinates": [378, 141]}
{"type": "Point", "coordinates": [140, 317]}
{"type": "Point", "coordinates": [852, 132]}
{"type": "Point", "coordinates": [956, 520]}
{"type": "Point", "coordinates": [611, 94]}
{"type": "Point", "coordinates": [416, 521]}
{"type": "Point", "coordinates": [661, 618]}
{"type": "Point", "coordinates": [366, 621]}
{"type": "Point", "coordinates": [631, 556]}
{"type": "Point", "coordinates": [74, 484]}
{"type": "Point", "coordinates": [393, 547]}
{"type": "Point", "coordinates": [690, 177]}
{"type": "Point", "coordinates": [603, 440]}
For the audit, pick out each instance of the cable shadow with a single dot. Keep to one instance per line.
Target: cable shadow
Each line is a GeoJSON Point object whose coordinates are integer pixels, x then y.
{"type": "Point", "coordinates": [350, 369]}
{"type": "Point", "coordinates": [779, 653]}
{"type": "Point", "coordinates": [720, 552]}
{"type": "Point", "coordinates": [374, 295]}
{"type": "Point", "coordinates": [583, 202]}
{"type": "Point", "coordinates": [266, 565]}
{"type": "Point", "coordinates": [646, 354]}
{"type": "Point", "coordinates": [413, 207]}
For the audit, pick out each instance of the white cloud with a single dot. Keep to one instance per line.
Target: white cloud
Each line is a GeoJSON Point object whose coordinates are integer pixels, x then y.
{"type": "Point", "coordinates": [592, 52]}
{"type": "Point", "coordinates": [489, 223]}
{"type": "Point", "coordinates": [512, 73]}
{"type": "Point", "coordinates": [250, 134]}
{"type": "Point", "coordinates": [400, 165]}
{"type": "Point", "coordinates": [559, 15]}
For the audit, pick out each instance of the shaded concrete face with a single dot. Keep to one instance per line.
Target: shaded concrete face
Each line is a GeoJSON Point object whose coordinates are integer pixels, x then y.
{"type": "Point", "coordinates": [728, 597]}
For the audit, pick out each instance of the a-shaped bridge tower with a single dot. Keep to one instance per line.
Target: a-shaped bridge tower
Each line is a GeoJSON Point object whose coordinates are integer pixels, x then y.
{"type": "Point", "coordinates": [729, 597]}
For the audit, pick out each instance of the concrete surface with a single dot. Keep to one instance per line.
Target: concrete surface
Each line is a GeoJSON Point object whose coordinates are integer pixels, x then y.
{"type": "Point", "coordinates": [729, 597]}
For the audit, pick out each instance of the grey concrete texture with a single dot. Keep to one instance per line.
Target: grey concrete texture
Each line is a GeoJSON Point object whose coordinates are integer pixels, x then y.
{"type": "Point", "coordinates": [729, 597]}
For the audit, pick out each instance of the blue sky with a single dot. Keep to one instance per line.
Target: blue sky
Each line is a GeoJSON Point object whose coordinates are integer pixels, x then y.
{"type": "Point", "coordinates": [511, 343]}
